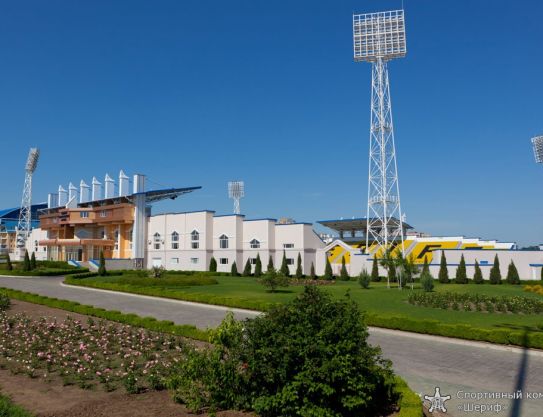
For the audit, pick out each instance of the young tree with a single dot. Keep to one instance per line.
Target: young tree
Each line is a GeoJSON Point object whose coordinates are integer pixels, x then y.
{"type": "Point", "coordinates": [284, 270]}
{"type": "Point", "coordinates": [375, 271]}
{"type": "Point", "coordinates": [273, 280]}
{"type": "Point", "coordinates": [234, 270]}
{"type": "Point", "coordinates": [312, 273]}
{"type": "Point", "coordinates": [426, 281]}
{"type": "Point", "coordinates": [299, 270]}
{"type": "Point", "coordinates": [343, 274]}
{"type": "Point", "coordinates": [247, 269]}
{"type": "Point", "coordinates": [328, 274]}
{"type": "Point", "coordinates": [512, 274]}
{"type": "Point", "coordinates": [26, 262]}
{"type": "Point", "coordinates": [270, 265]}
{"type": "Point", "coordinates": [388, 262]}
{"type": "Point", "coordinates": [443, 276]}
{"type": "Point", "coordinates": [102, 267]}
{"type": "Point", "coordinates": [9, 265]}
{"type": "Point", "coordinates": [364, 279]}
{"type": "Point", "coordinates": [478, 274]}
{"type": "Point", "coordinates": [213, 264]}
{"type": "Point", "coordinates": [495, 274]}
{"type": "Point", "coordinates": [409, 269]}
{"type": "Point", "coordinates": [258, 266]}
{"type": "Point", "coordinates": [461, 273]}
{"type": "Point", "coordinates": [33, 261]}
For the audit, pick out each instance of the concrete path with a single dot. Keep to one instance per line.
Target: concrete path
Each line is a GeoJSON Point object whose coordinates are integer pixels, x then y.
{"type": "Point", "coordinates": [426, 362]}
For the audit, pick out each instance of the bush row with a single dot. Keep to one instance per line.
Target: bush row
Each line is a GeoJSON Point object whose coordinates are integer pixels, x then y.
{"type": "Point", "coordinates": [150, 323]}
{"type": "Point", "coordinates": [46, 272]}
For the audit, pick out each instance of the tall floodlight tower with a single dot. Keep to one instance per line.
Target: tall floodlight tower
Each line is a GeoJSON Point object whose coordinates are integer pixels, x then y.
{"type": "Point", "coordinates": [25, 213]}
{"type": "Point", "coordinates": [379, 38]}
{"type": "Point", "coordinates": [537, 143]}
{"type": "Point", "coordinates": [236, 191]}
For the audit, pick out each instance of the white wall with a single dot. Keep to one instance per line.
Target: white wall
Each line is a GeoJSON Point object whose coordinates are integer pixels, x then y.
{"type": "Point", "coordinates": [32, 244]}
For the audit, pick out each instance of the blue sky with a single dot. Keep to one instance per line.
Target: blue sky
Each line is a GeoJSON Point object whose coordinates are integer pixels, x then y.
{"type": "Point", "coordinates": [201, 92]}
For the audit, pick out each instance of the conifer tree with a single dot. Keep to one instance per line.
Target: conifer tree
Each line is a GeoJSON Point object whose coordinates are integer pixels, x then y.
{"type": "Point", "coordinates": [26, 262]}
{"type": "Point", "coordinates": [213, 264]}
{"type": "Point", "coordinates": [478, 274]}
{"type": "Point", "coordinates": [328, 274]}
{"type": "Point", "coordinates": [343, 274]}
{"type": "Point", "coordinates": [512, 274]}
{"type": "Point", "coordinates": [102, 267]}
{"type": "Point", "coordinates": [443, 271]}
{"type": "Point", "coordinates": [247, 269]}
{"type": "Point", "coordinates": [258, 266]}
{"type": "Point", "coordinates": [461, 273]}
{"type": "Point", "coordinates": [33, 261]}
{"type": "Point", "coordinates": [495, 274]}
{"type": "Point", "coordinates": [312, 274]}
{"type": "Point", "coordinates": [375, 271]}
{"type": "Point", "coordinates": [284, 270]}
{"type": "Point", "coordinates": [299, 270]}
{"type": "Point", "coordinates": [270, 265]}
{"type": "Point", "coordinates": [234, 270]}
{"type": "Point", "coordinates": [425, 267]}
{"type": "Point", "coordinates": [9, 265]}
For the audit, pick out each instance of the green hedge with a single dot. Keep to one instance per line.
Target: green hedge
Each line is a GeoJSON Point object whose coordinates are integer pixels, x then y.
{"type": "Point", "coordinates": [8, 409]}
{"type": "Point", "coordinates": [410, 403]}
{"type": "Point", "coordinates": [150, 323]}
{"type": "Point", "coordinates": [45, 272]}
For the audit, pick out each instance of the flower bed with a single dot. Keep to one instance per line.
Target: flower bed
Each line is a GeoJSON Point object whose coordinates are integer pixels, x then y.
{"type": "Point", "coordinates": [98, 353]}
{"type": "Point", "coordinates": [477, 302]}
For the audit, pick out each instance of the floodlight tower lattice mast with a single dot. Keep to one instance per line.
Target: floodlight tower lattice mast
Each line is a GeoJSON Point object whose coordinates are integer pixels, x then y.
{"type": "Point", "coordinates": [537, 143]}
{"type": "Point", "coordinates": [236, 191]}
{"type": "Point", "coordinates": [379, 38]}
{"type": "Point", "coordinates": [25, 214]}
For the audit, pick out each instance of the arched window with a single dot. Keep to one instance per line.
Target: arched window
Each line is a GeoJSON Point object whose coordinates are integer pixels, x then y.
{"type": "Point", "coordinates": [175, 240]}
{"type": "Point", "coordinates": [255, 244]}
{"type": "Point", "coordinates": [195, 239]}
{"type": "Point", "coordinates": [157, 240]}
{"type": "Point", "coordinates": [223, 242]}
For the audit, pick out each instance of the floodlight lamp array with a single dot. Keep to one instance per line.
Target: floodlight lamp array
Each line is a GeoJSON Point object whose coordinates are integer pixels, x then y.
{"type": "Point", "coordinates": [236, 189]}
{"type": "Point", "coordinates": [32, 160]}
{"type": "Point", "coordinates": [537, 142]}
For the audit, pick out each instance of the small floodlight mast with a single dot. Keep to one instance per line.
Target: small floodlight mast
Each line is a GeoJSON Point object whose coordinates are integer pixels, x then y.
{"type": "Point", "coordinates": [236, 191]}
{"type": "Point", "coordinates": [25, 213]}
{"type": "Point", "coordinates": [378, 38]}
{"type": "Point", "coordinates": [537, 142]}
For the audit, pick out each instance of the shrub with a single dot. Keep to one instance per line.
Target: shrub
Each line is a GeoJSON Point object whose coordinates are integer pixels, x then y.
{"type": "Point", "coordinates": [102, 268]}
{"type": "Point", "coordinates": [364, 279]}
{"type": "Point", "coordinates": [307, 358]}
{"type": "Point", "coordinates": [4, 302]}
{"type": "Point", "coordinates": [512, 274]}
{"type": "Point", "coordinates": [478, 274]}
{"type": "Point", "coordinates": [258, 266]}
{"type": "Point", "coordinates": [427, 281]}
{"type": "Point", "coordinates": [213, 264]}
{"type": "Point", "coordinates": [443, 276]}
{"type": "Point", "coordinates": [375, 271]}
{"type": "Point", "coordinates": [299, 270]}
{"type": "Point", "coordinates": [273, 280]}
{"type": "Point", "coordinates": [328, 274]}
{"type": "Point", "coordinates": [154, 272]}
{"type": "Point", "coordinates": [495, 274]}
{"type": "Point", "coordinates": [234, 270]}
{"type": "Point", "coordinates": [461, 274]}
{"type": "Point", "coordinates": [33, 261]}
{"type": "Point", "coordinates": [343, 274]}
{"type": "Point", "coordinates": [247, 269]}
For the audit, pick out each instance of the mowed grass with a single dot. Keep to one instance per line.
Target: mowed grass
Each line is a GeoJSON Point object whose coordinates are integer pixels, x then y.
{"type": "Point", "coordinates": [245, 292]}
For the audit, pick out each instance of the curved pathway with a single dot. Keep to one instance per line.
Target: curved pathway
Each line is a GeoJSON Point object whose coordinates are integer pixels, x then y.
{"type": "Point", "coordinates": [425, 362]}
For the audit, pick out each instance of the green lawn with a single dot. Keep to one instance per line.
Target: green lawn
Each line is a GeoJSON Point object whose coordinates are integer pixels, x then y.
{"type": "Point", "coordinates": [378, 300]}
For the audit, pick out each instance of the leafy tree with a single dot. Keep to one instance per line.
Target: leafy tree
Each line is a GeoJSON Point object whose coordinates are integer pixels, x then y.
{"type": "Point", "coordinates": [312, 273]}
{"type": "Point", "coordinates": [102, 266]}
{"type": "Point", "coordinates": [426, 281]}
{"type": "Point", "coordinates": [270, 265]}
{"type": "Point", "coordinates": [157, 271]}
{"type": "Point", "coordinates": [258, 266]}
{"type": "Point", "coordinates": [273, 280]}
{"type": "Point", "coordinates": [247, 269]}
{"type": "Point", "coordinates": [328, 274]}
{"type": "Point", "coordinates": [364, 279]}
{"type": "Point", "coordinates": [461, 273]}
{"type": "Point", "coordinates": [9, 265]}
{"type": "Point", "coordinates": [388, 262]}
{"type": "Point", "coordinates": [299, 270]}
{"type": "Point", "coordinates": [495, 274]}
{"type": "Point", "coordinates": [284, 270]}
{"type": "Point", "coordinates": [443, 275]}
{"type": "Point", "coordinates": [343, 274]}
{"type": "Point", "coordinates": [408, 267]}
{"type": "Point", "coordinates": [33, 261]}
{"type": "Point", "coordinates": [234, 269]}
{"type": "Point", "coordinates": [213, 264]}
{"type": "Point", "coordinates": [375, 271]}
{"type": "Point", "coordinates": [512, 274]}
{"type": "Point", "coordinates": [478, 274]}
{"type": "Point", "coordinates": [26, 262]}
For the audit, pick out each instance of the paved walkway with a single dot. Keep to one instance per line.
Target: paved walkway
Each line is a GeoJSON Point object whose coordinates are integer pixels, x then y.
{"type": "Point", "coordinates": [425, 362]}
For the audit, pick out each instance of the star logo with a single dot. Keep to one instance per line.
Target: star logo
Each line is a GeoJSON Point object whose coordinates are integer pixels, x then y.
{"type": "Point", "coordinates": [437, 402]}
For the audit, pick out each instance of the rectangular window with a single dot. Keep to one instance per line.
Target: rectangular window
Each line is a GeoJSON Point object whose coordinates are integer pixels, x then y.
{"type": "Point", "coordinates": [252, 261]}
{"type": "Point", "coordinates": [174, 260]}
{"type": "Point", "coordinates": [290, 261]}
{"type": "Point", "coordinates": [103, 213]}
{"type": "Point", "coordinates": [195, 245]}
{"type": "Point", "coordinates": [175, 245]}
{"type": "Point", "coordinates": [193, 260]}
{"type": "Point", "coordinates": [84, 214]}
{"type": "Point", "coordinates": [157, 246]}
{"type": "Point", "coordinates": [288, 245]}
{"type": "Point", "coordinates": [223, 261]}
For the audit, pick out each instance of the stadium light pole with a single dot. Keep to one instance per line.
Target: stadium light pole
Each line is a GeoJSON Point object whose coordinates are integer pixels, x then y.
{"type": "Point", "coordinates": [537, 143]}
{"type": "Point", "coordinates": [24, 224]}
{"type": "Point", "coordinates": [236, 191]}
{"type": "Point", "coordinates": [379, 38]}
